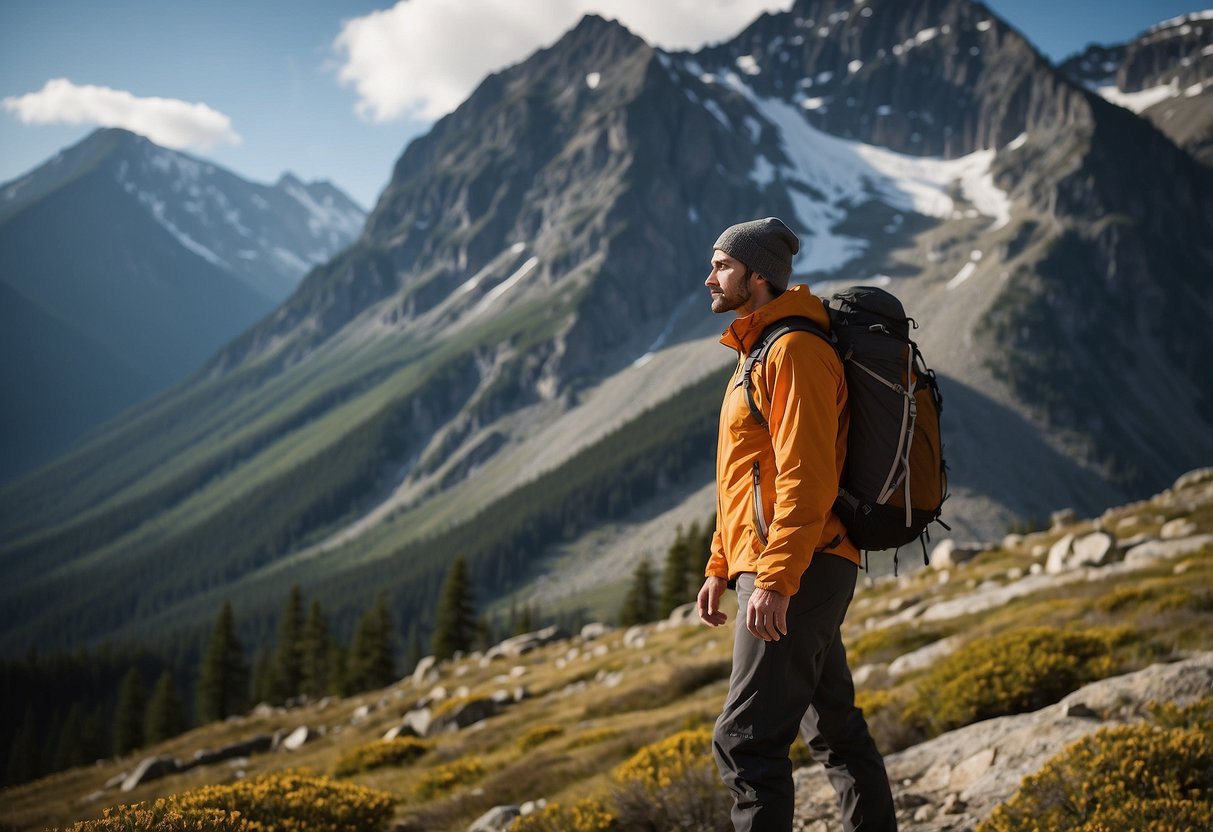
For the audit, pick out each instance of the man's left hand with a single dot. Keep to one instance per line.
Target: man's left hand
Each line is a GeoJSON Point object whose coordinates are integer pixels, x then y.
{"type": "Point", "coordinates": [767, 615]}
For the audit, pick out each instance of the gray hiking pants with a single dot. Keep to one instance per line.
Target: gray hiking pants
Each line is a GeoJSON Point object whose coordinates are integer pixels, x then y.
{"type": "Point", "coordinates": [800, 682]}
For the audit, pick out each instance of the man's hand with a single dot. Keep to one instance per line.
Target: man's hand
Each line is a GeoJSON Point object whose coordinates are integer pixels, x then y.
{"type": "Point", "coordinates": [766, 616]}
{"type": "Point", "coordinates": [709, 602]}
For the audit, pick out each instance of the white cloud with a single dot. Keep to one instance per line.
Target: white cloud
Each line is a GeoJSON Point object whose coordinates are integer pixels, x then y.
{"type": "Point", "coordinates": [166, 121]}
{"type": "Point", "coordinates": [421, 58]}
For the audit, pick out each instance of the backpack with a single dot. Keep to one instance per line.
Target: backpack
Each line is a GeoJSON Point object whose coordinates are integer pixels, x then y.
{"type": "Point", "coordinates": [895, 480]}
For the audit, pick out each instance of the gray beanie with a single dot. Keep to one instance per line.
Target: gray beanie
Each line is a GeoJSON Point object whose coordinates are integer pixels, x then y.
{"type": "Point", "coordinates": [766, 246]}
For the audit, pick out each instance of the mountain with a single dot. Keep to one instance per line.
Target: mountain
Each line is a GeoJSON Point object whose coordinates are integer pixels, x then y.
{"type": "Point", "coordinates": [1166, 75]}
{"type": "Point", "coordinates": [147, 260]}
{"type": "Point", "coordinates": [515, 361]}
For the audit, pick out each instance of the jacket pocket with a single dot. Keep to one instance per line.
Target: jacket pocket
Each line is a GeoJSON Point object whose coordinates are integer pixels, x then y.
{"type": "Point", "coordinates": [760, 522]}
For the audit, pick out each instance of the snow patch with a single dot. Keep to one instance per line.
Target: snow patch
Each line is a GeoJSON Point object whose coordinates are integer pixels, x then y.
{"type": "Point", "coordinates": [842, 174]}
{"type": "Point", "coordinates": [592, 80]}
{"type": "Point", "coordinates": [1017, 142]}
{"type": "Point", "coordinates": [714, 108]}
{"type": "Point", "coordinates": [325, 217]}
{"type": "Point", "coordinates": [754, 127]}
{"type": "Point", "coordinates": [1138, 101]}
{"type": "Point", "coordinates": [854, 66]}
{"type": "Point", "coordinates": [814, 103]}
{"type": "Point", "coordinates": [763, 173]}
{"type": "Point", "coordinates": [984, 25]}
{"type": "Point", "coordinates": [748, 65]}
{"type": "Point", "coordinates": [961, 276]}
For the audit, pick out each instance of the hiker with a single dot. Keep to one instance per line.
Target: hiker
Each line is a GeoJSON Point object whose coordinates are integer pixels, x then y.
{"type": "Point", "coordinates": [779, 543]}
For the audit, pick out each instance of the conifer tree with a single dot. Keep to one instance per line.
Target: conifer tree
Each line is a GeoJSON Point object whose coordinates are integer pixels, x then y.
{"type": "Point", "coordinates": [674, 583]}
{"type": "Point", "coordinates": [165, 710]}
{"type": "Point", "coordinates": [288, 658]}
{"type": "Point", "coordinates": [223, 676]}
{"type": "Point", "coordinates": [640, 604]}
{"type": "Point", "coordinates": [262, 687]}
{"type": "Point", "coordinates": [455, 621]}
{"type": "Point", "coordinates": [317, 654]}
{"type": "Point", "coordinates": [128, 718]}
{"type": "Point", "coordinates": [415, 651]}
{"type": "Point", "coordinates": [69, 750]}
{"type": "Point", "coordinates": [372, 661]}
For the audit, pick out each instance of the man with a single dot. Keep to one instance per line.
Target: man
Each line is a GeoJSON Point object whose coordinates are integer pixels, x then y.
{"type": "Point", "coordinates": [779, 542]}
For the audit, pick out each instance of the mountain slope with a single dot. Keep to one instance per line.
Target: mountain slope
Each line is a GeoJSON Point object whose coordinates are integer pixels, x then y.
{"type": "Point", "coordinates": [157, 258]}
{"type": "Point", "coordinates": [528, 293]}
{"type": "Point", "coordinates": [1166, 75]}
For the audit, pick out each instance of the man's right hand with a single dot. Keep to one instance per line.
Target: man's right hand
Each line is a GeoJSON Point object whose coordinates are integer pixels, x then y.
{"type": "Point", "coordinates": [709, 601]}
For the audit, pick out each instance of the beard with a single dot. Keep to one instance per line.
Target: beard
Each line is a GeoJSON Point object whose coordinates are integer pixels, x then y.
{"type": "Point", "coordinates": [728, 301]}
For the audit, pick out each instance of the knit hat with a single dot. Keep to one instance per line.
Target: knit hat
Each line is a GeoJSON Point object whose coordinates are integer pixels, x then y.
{"type": "Point", "coordinates": [766, 246]}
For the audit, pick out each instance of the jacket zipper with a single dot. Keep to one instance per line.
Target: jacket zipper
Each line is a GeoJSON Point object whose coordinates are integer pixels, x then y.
{"type": "Point", "coordinates": [760, 523]}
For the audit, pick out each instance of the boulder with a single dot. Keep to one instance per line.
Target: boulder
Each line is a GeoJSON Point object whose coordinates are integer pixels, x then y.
{"type": "Point", "coordinates": [426, 672]}
{"type": "Point", "coordinates": [497, 819]}
{"type": "Point", "coordinates": [949, 553]}
{"type": "Point", "coordinates": [871, 676]}
{"type": "Point", "coordinates": [417, 722]}
{"type": "Point", "coordinates": [152, 768]}
{"type": "Point", "coordinates": [1179, 527]}
{"type": "Point", "coordinates": [1095, 549]}
{"type": "Point", "coordinates": [298, 738]}
{"type": "Point", "coordinates": [634, 637]}
{"type": "Point", "coordinates": [1166, 549]}
{"type": "Point", "coordinates": [685, 615]}
{"type": "Point", "coordinates": [1064, 517]}
{"type": "Point", "coordinates": [924, 657]}
{"type": "Point", "coordinates": [594, 630]}
{"type": "Point", "coordinates": [525, 643]}
{"type": "Point", "coordinates": [1059, 552]}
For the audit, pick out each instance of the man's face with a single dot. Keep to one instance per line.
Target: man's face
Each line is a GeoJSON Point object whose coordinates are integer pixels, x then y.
{"type": "Point", "coordinates": [730, 285]}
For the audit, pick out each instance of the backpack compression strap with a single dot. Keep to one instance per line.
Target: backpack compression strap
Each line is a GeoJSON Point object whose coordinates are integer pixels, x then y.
{"type": "Point", "coordinates": [758, 353]}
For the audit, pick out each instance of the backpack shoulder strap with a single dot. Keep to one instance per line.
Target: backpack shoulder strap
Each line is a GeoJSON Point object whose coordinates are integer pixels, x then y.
{"type": "Point", "coordinates": [758, 353]}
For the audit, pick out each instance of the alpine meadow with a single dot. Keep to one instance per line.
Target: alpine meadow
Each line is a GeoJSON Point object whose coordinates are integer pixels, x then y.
{"type": "Point", "coordinates": [390, 520]}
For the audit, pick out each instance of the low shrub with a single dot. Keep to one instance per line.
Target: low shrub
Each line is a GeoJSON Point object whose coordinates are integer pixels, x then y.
{"type": "Point", "coordinates": [295, 802]}
{"type": "Point", "coordinates": [1013, 672]}
{"type": "Point", "coordinates": [592, 737]}
{"type": "Point", "coordinates": [379, 754]}
{"type": "Point", "coordinates": [673, 784]}
{"type": "Point", "coordinates": [439, 781]}
{"type": "Point", "coordinates": [284, 802]}
{"type": "Point", "coordinates": [887, 643]}
{"type": "Point", "coordinates": [538, 735]}
{"type": "Point", "coordinates": [161, 817]}
{"type": "Point", "coordinates": [1141, 776]}
{"type": "Point", "coordinates": [588, 815]}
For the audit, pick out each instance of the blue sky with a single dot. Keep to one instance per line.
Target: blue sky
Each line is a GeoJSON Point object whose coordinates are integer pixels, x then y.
{"type": "Point", "coordinates": [335, 90]}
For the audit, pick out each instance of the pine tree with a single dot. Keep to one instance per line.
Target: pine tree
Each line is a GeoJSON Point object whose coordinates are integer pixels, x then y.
{"type": "Point", "coordinates": [165, 711]}
{"type": "Point", "coordinates": [128, 718]}
{"type": "Point", "coordinates": [69, 751]}
{"type": "Point", "coordinates": [455, 621]}
{"type": "Point", "coordinates": [372, 661]}
{"type": "Point", "coordinates": [317, 654]}
{"type": "Point", "coordinates": [674, 588]}
{"type": "Point", "coordinates": [288, 658]}
{"type": "Point", "coordinates": [262, 687]}
{"type": "Point", "coordinates": [640, 604]}
{"type": "Point", "coordinates": [223, 676]}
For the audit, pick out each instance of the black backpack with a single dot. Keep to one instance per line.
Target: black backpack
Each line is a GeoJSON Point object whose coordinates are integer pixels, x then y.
{"type": "Point", "coordinates": [895, 480]}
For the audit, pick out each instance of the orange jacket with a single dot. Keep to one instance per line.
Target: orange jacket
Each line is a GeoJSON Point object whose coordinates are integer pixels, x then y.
{"type": "Point", "coordinates": [791, 471]}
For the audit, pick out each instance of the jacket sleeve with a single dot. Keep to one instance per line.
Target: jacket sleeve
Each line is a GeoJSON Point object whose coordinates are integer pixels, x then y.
{"type": "Point", "coordinates": [806, 387]}
{"type": "Point", "coordinates": [718, 566]}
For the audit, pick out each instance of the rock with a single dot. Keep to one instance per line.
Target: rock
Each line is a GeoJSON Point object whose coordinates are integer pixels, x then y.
{"type": "Point", "coordinates": [1036, 569]}
{"type": "Point", "coordinates": [1095, 549]}
{"type": "Point", "coordinates": [464, 714]}
{"type": "Point", "coordinates": [871, 675]}
{"type": "Point", "coordinates": [525, 643]}
{"type": "Point", "coordinates": [152, 768]}
{"type": "Point", "coordinates": [1194, 477]}
{"type": "Point", "coordinates": [501, 696]}
{"type": "Point", "coordinates": [924, 813]}
{"type": "Point", "coordinates": [1166, 549]}
{"type": "Point", "coordinates": [1059, 552]}
{"type": "Point", "coordinates": [1014, 573]}
{"type": "Point", "coordinates": [1064, 517]}
{"type": "Point", "coordinates": [394, 733]}
{"type": "Point", "coordinates": [297, 738]}
{"type": "Point", "coordinates": [937, 778]}
{"type": "Point", "coordinates": [1179, 527]}
{"type": "Point", "coordinates": [1136, 540]}
{"type": "Point", "coordinates": [497, 819]}
{"type": "Point", "coordinates": [426, 671]}
{"type": "Point", "coordinates": [634, 637]}
{"type": "Point", "coordinates": [924, 657]}
{"type": "Point", "coordinates": [953, 805]}
{"type": "Point", "coordinates": [517, 672]}
{"type": "Point", "coordinates": [948, 553]}
{"type": "Point", "coordinates": [1125, 522]}
{"type": "Point", "coordinates": [1012, 541]}
{"type": "Point", "coordinates": [533, 806]}
{"type": "Point", "coordinates": [971, 770]}
{"type": "Point", "coordinates": [115, 781]}
{"type": "Point", "coordinates": [594, 630]}
{"type": "Point", "coordinates": [418, 721]}
{"type": "Point", "coordinates": [1080, 710]}
{"type": "Point", "coordinates": [684, 615]}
